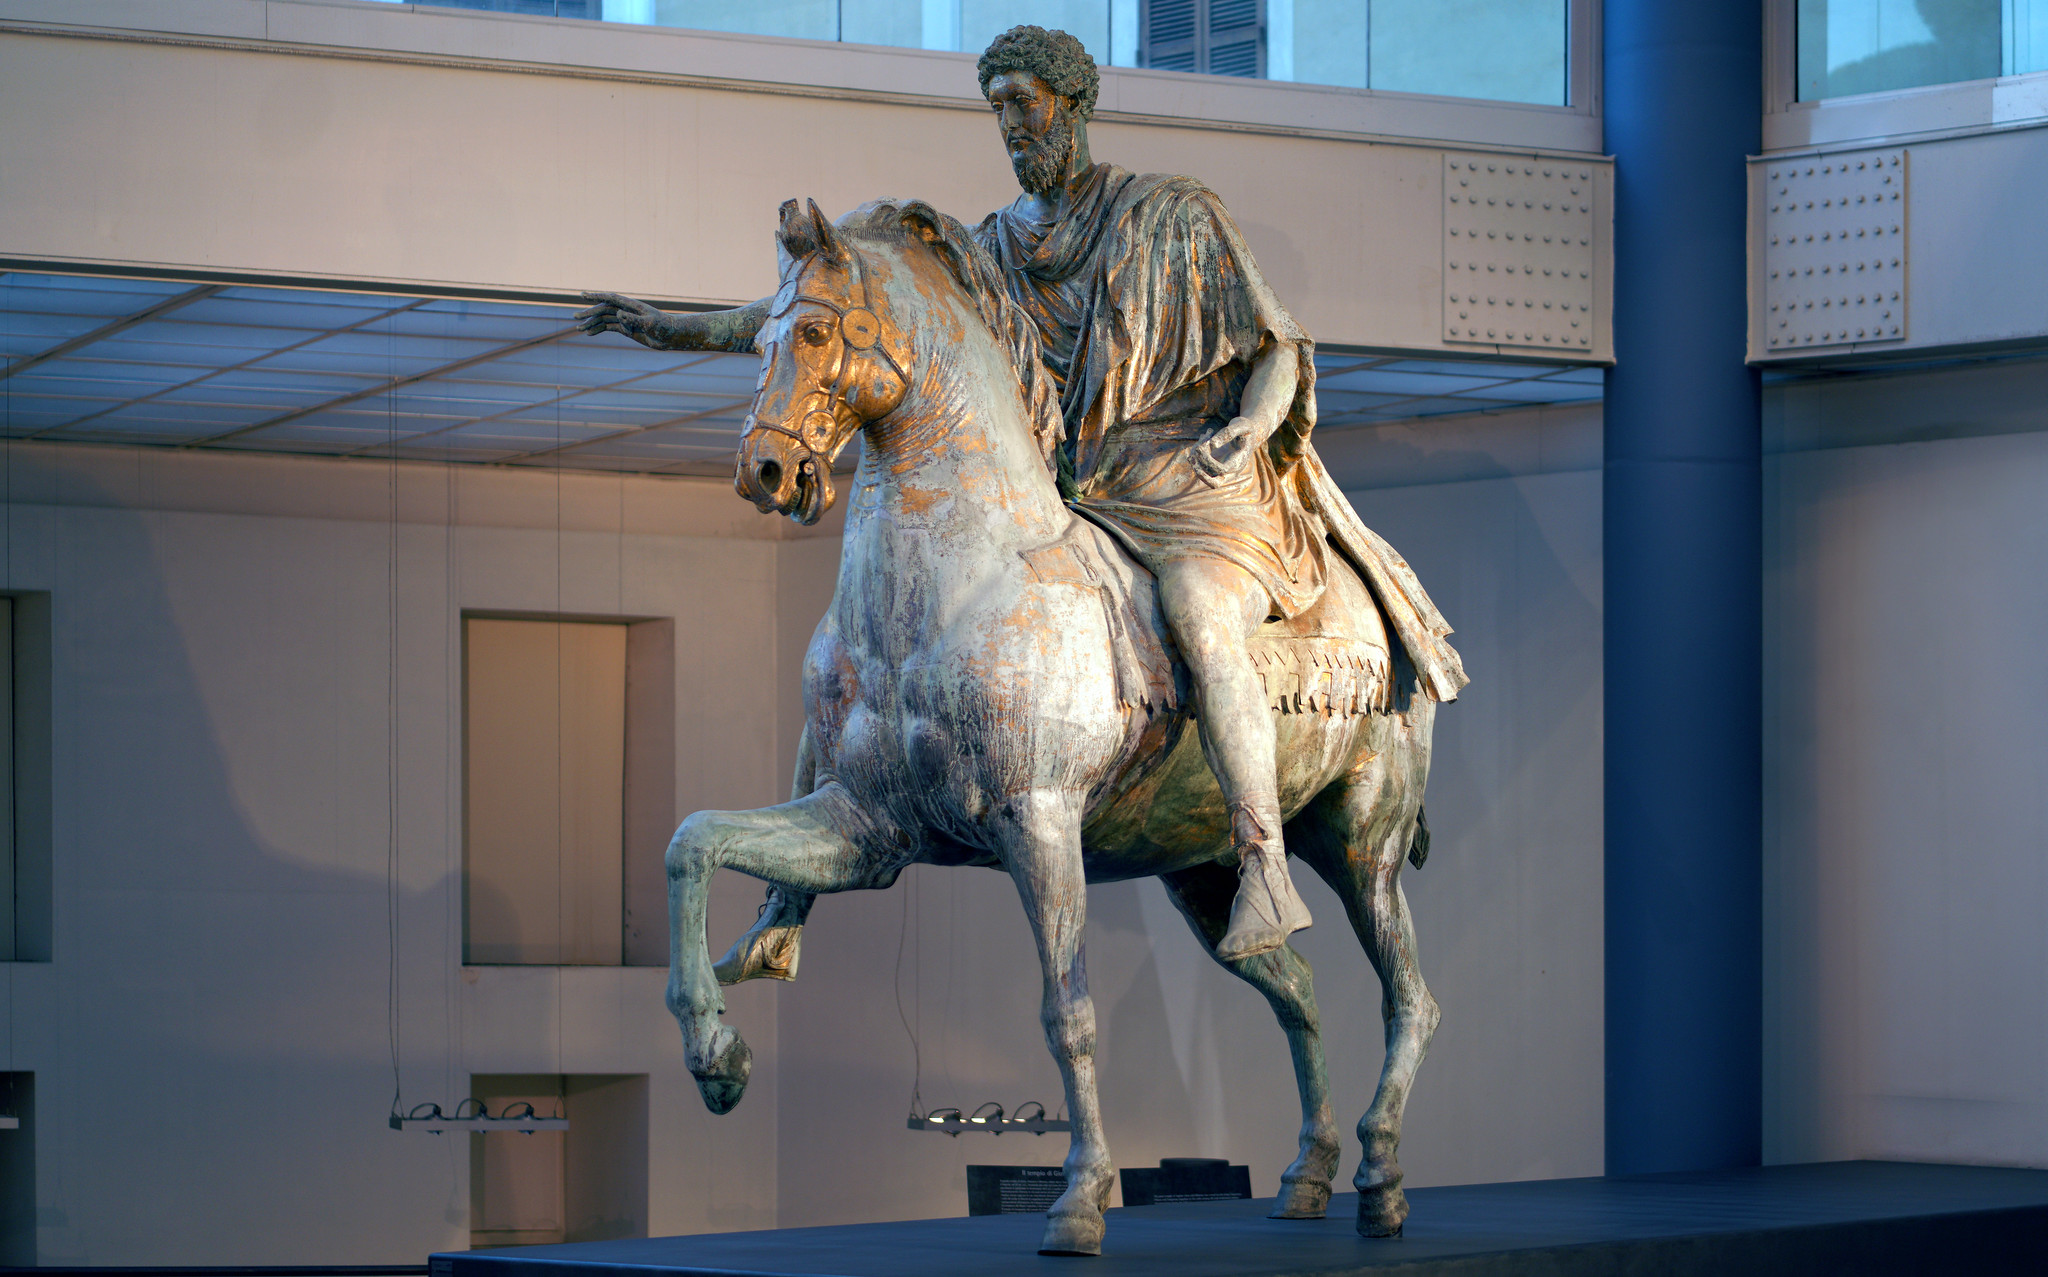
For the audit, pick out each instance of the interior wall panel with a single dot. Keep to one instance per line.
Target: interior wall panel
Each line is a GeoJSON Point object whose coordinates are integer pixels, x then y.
{"type": "Point", "coordinates": [1905, 703]}
{"type": "Point", "coordinates": [230, 861]}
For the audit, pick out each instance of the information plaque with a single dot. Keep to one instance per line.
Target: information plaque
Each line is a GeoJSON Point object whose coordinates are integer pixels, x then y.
{"type": "Point", "coordinates": [1185, 1179]}
{"type": "Point", "coordinates": [1014, 1190]}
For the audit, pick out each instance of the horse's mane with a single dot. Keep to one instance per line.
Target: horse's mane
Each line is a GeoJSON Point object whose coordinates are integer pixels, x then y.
{"type": "Point", "coordinates": [980, 276]}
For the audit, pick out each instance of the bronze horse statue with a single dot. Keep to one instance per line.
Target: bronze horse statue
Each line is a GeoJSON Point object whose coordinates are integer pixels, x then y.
{"type": "Point", "coordinates": [992, 686]}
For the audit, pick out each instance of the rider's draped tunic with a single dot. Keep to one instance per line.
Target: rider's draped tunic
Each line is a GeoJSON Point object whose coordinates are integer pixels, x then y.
{"type": "Point", "coordinates": [1150, 313]}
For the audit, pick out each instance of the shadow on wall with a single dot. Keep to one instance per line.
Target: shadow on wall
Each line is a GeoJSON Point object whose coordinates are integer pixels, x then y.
{"type": "Point", "coordinates": [223, 953]}
{"type": "Point", "coordinates": [1509, 907]}
{"type": "Point", "coordinates": [227, 983]}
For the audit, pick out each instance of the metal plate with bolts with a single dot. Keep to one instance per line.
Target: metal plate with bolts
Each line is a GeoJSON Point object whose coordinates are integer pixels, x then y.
{"type": "Point", "coordinates": [1835, 251]}
{"type": "Point", "coordinates": [1518, 253]}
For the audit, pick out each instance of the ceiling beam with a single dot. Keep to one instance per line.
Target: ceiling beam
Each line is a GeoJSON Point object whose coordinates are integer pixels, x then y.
{"type": "Point", "coordinates": [217, 372]}
{"type": "Point", "coordinates": [560, 448]}
{"type": "Point", "coordinates": [394, 383]}
{"type": "Point", "coordinates": [411, 440]}
{"type": "Point", "coordinates": [104, 331]}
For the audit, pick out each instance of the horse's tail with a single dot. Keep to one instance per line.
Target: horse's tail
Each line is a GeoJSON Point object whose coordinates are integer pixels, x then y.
{"type": "Point", "coordinates": [1418, 846]}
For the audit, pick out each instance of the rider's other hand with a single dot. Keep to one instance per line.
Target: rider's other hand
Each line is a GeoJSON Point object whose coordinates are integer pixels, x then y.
{"type": "Point", "coordinates": [616, 313]}
{"type": "Point", "coordinates": [1227, 451]}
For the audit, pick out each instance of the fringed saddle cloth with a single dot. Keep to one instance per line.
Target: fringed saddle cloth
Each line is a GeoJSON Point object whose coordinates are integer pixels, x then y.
{"type": "Point", "coordinates": [1322, 674]}
{"type": "Point", "coordinates": [1308, 665]}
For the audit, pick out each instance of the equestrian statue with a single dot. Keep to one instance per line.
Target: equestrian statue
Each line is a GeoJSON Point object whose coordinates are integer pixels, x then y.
{"type": "Point", "coordinates": [1087, 515]}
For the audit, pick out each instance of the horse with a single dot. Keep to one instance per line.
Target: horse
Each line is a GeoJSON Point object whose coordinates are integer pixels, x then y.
{"type": "Point", "coordinates": [992, 686]}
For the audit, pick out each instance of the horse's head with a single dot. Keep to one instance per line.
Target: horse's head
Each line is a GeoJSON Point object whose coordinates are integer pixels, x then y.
{"type": "Point", "coordinates": [831, 361]}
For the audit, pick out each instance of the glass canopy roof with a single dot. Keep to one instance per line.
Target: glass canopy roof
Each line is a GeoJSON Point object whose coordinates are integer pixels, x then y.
{"type": "Point", "coordinates": [94, 359]}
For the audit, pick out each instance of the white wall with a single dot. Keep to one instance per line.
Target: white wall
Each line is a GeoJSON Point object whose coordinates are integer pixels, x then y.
{"type": "Point", "coordinates": [210, 1040]}
{"type": "Point", "coordinates": [1906, 768]}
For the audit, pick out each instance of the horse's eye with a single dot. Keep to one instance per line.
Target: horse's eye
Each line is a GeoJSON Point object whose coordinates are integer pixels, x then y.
{"type": "Point", "coordinates": [815, 335]}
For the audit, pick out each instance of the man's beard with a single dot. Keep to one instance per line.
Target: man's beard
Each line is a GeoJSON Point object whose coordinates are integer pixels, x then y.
{"type": "Point", "coordinates": [1042, 166]}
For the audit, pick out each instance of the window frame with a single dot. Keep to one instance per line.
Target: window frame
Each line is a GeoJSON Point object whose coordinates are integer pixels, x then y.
{"type": "Point", "coordinates": [1926, 111]}
{"type": "Point", "coordinates": [853, 72]}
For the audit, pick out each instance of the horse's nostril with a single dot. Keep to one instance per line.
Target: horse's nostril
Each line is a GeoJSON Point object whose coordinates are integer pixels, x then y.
{"type": "Point", "coordinates": [770, 474]}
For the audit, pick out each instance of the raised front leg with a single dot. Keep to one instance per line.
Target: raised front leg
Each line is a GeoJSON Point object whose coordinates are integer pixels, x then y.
{"type": "Point", "coordinates": [770, 948]}
{"type": "Point", "coordinates": [1203, 895]}
{"type": "Point", "coordinates": [812, 845]}
{"type": "Point", "coordinates": [1039, 837]}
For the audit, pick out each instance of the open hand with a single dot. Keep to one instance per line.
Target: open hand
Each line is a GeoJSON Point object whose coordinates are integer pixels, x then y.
{"type": "Point", "coordinates": [1227, 451]}
{"type": "Point", "coordinates": [615, 313]}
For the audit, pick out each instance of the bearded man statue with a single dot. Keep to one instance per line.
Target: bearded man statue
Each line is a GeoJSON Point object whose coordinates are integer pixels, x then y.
{"type": "Point", "coordinates": [1188, 394]}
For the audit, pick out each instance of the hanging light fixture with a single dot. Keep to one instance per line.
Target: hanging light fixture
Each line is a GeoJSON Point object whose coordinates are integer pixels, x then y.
{"type": "Point", "coordinates": [990, 1118]}
{"type": "Point", "coordinates": [516, 1116]}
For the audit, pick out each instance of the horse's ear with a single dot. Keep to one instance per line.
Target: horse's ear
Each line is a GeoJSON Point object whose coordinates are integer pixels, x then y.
{"type": "Point", "coordinates": [793, 231]}
{"type": "Point", "coordinates": [821, 230]}
{"type": "Point", "coordinates": [941, 234]}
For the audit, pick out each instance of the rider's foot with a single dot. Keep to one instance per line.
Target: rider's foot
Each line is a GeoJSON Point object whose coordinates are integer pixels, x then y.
{"type": "Point", "coordinates": [1267, 909]}
{"type": "Point", "coordinates": [768, 950]}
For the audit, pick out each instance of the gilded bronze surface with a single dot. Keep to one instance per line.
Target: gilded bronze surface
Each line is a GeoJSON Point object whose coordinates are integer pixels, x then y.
{"type": "Point", "coordinates": [1087, 516]}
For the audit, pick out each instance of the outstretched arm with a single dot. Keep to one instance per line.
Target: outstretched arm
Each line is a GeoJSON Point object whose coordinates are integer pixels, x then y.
{"type": "Point", "coordinates": [729, 330]}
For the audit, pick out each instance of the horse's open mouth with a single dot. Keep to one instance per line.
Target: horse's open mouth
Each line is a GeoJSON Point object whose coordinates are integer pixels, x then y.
{"type": "Point", "coordinates": [812, 496]}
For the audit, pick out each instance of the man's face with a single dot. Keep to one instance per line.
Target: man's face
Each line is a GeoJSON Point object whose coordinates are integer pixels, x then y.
{"type": "Point", "coordinates": [1037, 129]}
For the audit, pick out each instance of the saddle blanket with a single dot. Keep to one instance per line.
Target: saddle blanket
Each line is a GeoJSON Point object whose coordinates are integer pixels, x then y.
{"type": "Point", "coordinates": [1303, 670]}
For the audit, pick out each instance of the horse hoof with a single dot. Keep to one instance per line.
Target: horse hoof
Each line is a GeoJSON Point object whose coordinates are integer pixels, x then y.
{"type": "Point", "coordinates": [1382, 1214]}
{"type": "Point", "coordinates": [1301, 1199]}
{"type": "Point", "coordinates": [1072, 1235]}
{"type": "Point", "coordinates": [725, 1081]}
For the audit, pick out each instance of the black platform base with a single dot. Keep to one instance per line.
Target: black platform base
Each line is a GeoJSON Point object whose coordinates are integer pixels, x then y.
{"type": "Point", "coordinates": [1838, 1217]}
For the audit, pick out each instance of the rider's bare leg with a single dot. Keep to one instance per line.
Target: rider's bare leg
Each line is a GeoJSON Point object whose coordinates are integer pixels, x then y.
{"type": "Point", "coordinates": [770, 948]}
{"type": "Point", "coordinates": [1214, 607]}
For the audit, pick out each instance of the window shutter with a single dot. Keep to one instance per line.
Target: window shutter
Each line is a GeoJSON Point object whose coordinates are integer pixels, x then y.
{"type": "Point", "coordinates": [1216, 37]}
{"type": "Point", "coordinates": [1168, 34]}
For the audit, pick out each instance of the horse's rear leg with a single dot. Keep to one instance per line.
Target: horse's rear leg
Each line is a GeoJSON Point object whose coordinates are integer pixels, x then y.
{"type": "Point", "coordinates": [1355, 835]}
{"type": "Point", "coordinates": [808, 846]}
{"type": "Point", "coordinates": [1204, 894]}
{"type": "Point", "coordinates": [1038, 835]}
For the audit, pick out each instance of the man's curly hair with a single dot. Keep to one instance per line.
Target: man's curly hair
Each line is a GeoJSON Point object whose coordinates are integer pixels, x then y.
{"type": "Point", "coordinates": [1053, 56]}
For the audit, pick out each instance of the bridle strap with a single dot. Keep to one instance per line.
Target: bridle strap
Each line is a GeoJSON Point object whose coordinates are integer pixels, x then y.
{"type": "Point", "coordinates": [858, 329]}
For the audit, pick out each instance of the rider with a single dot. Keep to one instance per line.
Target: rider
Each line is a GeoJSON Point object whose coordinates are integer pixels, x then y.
{"type": "Point", "coordinates": [1178, 366]}
{"type": "Point", "coordinates": [1186, 390]}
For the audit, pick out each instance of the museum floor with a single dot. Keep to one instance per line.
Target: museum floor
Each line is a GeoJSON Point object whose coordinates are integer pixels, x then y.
{"type": "Point", "coordinates": [1835, 1217]}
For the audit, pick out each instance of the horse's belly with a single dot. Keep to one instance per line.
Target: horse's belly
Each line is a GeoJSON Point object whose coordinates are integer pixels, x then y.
{"type": "Point", "coordinates": [1175, 817]}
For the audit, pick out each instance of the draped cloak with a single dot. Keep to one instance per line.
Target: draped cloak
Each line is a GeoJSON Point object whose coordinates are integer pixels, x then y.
{"type": "Point", "coordinates": [1150, 314]}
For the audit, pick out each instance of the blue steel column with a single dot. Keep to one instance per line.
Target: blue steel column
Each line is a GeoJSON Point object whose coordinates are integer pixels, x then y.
{"type": "Point", "coordinates": [1683, 497]}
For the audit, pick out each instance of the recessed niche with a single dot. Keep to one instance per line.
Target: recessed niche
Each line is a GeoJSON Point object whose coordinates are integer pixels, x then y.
{"type": "Point", "coordinates": [586, 1183]}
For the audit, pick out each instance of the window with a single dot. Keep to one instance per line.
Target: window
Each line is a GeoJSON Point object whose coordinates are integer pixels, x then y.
{"type": "Point", "coordinates": [568, 790]}
{"type": "Point", "coordinates": [1872, 46]}
{"type": "Point", "coordinates": [1219, 37]}
{"type": "Point", "coordinates": [1504, 50]}
{"type": "Point", "coordinates": [532, 8]}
